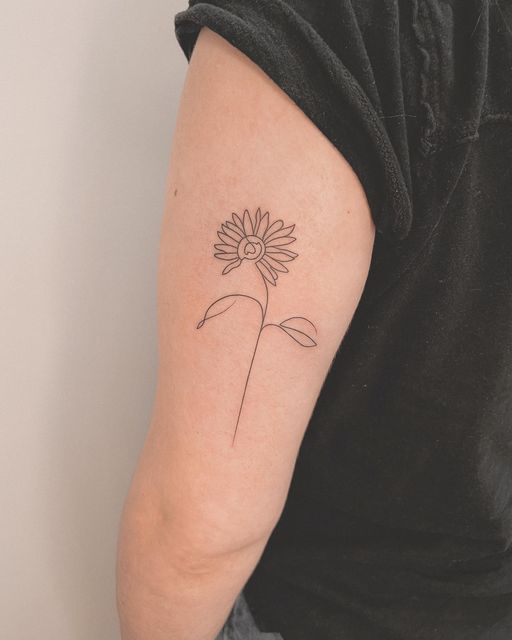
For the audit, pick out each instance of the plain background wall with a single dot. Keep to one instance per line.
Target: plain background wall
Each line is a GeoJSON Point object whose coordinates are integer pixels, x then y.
{"type": "Point", "coordinates": [89, 91]}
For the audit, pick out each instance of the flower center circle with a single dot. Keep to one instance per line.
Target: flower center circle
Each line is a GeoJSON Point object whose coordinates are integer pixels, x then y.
{"type": "Point", "coordinates": [251, 248]}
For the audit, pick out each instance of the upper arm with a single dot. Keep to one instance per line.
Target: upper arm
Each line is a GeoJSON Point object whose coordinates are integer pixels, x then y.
{"type": "Point", "coordinates": [241, 144]}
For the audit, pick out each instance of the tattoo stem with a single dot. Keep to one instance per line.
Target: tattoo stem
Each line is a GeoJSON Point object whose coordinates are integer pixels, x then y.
{"type": "Point", "coordinates": [252, 360]}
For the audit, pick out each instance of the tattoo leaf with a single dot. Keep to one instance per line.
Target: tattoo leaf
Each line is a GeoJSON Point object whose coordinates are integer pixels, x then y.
{"type": "Point", "coordinates": [223, 304]}
{"type": "Point", "coordinates": [299, 329]}
{"type": "Point", "coordinates": [216, 308]}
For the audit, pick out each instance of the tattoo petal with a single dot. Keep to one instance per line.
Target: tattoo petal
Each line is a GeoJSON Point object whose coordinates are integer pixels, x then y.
{"type": "Point", "coordinates": [275, 264]}
{"type": "Point", "coordinates": [263, 225]}
{"type": "Point", "coordinates": [230, 267]}
{"type": "Point", "coordinates": [235, 235]}
{"type": "Point", "coordinates": [275, 226]}
{"type": "Point", "coordinates": [226, 248]}
{"type": "Point", "coordinates": [285, 231]}
{"type": "Point", "coordinates": [277, 242]}
{"type": "Point", "coordinates": [233, 229]}
{"type": "Point", "coordinates": [281, 254]}
{"type": "Point", "coordinates": [227, 239]}
{"type": "Point", "coordinates": [238, 222]}
{"type": "Point", "coordinates": [248, 224]}
{"type": "Point", "coordinates": [257, 221]}
{"type": "Point", "coordinates": [224, 256]}
{"type": "Point", "coordinates": [266, 272]}
{"type": "Point", "coordinates": [270, 267]}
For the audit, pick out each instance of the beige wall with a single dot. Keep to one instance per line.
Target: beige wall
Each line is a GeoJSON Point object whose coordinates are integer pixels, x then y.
{"type": "Point", "coordinates": [89, 90]}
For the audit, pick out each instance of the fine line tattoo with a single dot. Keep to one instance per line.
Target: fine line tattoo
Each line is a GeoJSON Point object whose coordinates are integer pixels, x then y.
{"type": "Point", "coordinates": [265, 245]}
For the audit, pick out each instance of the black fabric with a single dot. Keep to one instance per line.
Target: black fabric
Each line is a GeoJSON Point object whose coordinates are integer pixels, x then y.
{"type": "Point", "coordinates": [284, 40]}
{"type": "Point", "coordinates": [398, 524]}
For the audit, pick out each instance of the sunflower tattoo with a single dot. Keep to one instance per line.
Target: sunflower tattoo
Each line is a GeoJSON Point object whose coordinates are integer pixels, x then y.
{"type": "Point", "coordinates": [258, 242]}
{"type": "Point", "coordinates": [266, 245]}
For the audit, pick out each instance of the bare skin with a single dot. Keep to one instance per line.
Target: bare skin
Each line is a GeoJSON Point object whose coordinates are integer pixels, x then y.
{"type": "Point", "coordinates": [202, 502]}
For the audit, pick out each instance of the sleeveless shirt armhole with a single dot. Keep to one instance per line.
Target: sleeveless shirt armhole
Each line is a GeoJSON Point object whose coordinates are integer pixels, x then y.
{"type": "Point", "coordinates": [289, 50]}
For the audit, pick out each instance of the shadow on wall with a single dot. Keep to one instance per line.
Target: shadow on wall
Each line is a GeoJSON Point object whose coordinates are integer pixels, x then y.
{"type": "Point", "coordinates": [126, 72]}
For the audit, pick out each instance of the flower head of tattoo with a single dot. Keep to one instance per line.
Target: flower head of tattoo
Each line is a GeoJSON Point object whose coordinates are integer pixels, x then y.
{"type": "Point", "coordinates": [256, 241]}
{"type": "Point", "coordinates": [265, 244]}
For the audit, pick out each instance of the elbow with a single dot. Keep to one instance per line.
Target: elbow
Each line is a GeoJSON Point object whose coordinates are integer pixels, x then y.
{"type": "Point", "coordinates": [203, 547]}
{"type": "Point", "coordinates": [152, 545]}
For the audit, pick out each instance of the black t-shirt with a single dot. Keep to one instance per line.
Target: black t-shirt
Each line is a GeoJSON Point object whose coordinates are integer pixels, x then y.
{"type": "Point", "coordinates": [398, 523]}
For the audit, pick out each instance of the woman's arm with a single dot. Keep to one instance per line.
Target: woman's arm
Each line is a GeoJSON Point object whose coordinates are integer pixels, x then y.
{"type": "Point", "coordinates": [243, 355]}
